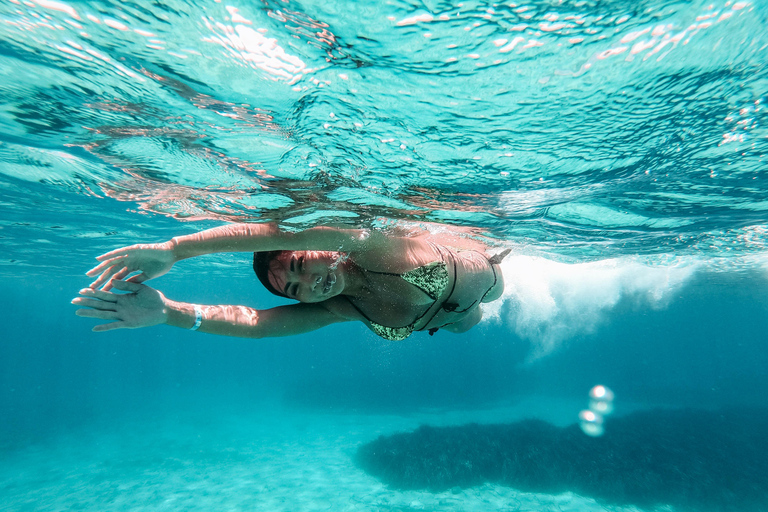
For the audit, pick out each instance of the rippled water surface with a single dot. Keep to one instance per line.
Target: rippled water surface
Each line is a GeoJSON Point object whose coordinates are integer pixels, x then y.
{"type": "Point", "coordinates": [619, 147]}
{"type": "Point", "coordinates": [582, 129]}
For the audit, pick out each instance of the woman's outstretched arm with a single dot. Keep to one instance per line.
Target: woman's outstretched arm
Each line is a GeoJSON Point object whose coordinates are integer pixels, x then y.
{"type": "Point", "coordinates": [143, 306]}
{"type": "Point", "coordinates": [269, 237]}
{"type": "Point", "coordinates": [154, 260]}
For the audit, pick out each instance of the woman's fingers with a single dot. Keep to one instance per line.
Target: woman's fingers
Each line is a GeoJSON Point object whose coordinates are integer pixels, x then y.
{"type": "Point", "coordinates": [105, 276]}
{"type": "Point", "coordinates": [119, 275]}
{"type": "Point", "coordinates": [98, 294]}
{"type": "Point", "coordinates": [115, 275]}
{"type": "Point", "coordinates": [102, 305]}
{"type": "Point", "coordinates": [122, 251]}
{"type": "Point", "coordinates": [138, 278]}
{"type": "Point", "coordinates": [127, 286]}
{"type": "Point", "coordinates": [98, 269]}
{"type": "Point", "coordinates": [98, 313]}
{"type": "Point", "coordinates": [110, 326]}
{"type": "Point", "coordinates": [94, 303]}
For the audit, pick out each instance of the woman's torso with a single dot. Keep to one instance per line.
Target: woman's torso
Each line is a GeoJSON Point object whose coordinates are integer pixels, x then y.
{"type": "Point", "coordinates": [424, 287]}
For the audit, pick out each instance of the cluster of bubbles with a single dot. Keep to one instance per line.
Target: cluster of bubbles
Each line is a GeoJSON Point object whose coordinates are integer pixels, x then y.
{"type": "Point", "coordinates": [600, 405]}
{"type": "Point", "coordinates": [341, 257]}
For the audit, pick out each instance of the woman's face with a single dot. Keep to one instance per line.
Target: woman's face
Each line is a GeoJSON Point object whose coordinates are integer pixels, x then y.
{"type": "Point", "coordinates": [307, 276]}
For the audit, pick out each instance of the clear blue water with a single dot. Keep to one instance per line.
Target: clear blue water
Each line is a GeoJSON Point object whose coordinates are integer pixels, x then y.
{"type": "Point", "coordinates": [618, 147]}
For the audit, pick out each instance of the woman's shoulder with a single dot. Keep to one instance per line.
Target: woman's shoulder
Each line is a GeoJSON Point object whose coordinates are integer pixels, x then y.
{"type": "Point", "coordinates": [397, 255]}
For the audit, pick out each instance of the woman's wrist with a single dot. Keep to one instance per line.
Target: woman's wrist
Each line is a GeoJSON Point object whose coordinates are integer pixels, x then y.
{"type": "Point", "coordinates": [180, 314]}
{"type": "Point", "coordinates": [189, 246]}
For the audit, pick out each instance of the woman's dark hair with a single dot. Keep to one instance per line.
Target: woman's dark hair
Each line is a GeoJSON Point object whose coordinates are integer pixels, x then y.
{"type": "Point", "coordinates": [261, 265]}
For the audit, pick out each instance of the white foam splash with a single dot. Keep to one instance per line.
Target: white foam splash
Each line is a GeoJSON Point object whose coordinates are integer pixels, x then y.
{"type": "Point", "coordinates": [548, 302]}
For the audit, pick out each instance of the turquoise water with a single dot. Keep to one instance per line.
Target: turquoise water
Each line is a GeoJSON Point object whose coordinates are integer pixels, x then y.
{"type": "Point", "coordinates": [618, 147]}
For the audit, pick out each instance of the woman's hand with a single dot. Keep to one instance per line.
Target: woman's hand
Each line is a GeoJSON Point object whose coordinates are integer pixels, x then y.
{"type": "Point", "coordinates": [142, 306]}
{"type": "Point", "coordinates": [151, 260]}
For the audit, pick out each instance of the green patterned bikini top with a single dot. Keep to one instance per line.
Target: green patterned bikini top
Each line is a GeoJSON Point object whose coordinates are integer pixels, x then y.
{"type": "Point", "coordinates": [432, 279]}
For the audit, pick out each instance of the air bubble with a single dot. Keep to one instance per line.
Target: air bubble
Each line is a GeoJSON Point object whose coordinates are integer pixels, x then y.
{"type": "Point", "coordinates": [341, 257]}
{"type": "Point", "coordinates": [601, 400]}
{"type": "Point", "coordinates": [591, 423]}
{"type": "Point", "coordinates": [600, 405]}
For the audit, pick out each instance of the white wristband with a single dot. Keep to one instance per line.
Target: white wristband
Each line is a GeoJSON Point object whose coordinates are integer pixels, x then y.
{"type": "Point", "coordinates": [198, 318]}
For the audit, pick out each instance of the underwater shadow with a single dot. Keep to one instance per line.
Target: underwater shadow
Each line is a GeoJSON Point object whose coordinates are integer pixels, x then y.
{"type": "Point", "coordinates": [691, 459]}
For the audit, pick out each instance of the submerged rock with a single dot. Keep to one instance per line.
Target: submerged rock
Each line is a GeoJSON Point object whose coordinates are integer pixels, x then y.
{"type": "Point", "coordinates": [694, 460]}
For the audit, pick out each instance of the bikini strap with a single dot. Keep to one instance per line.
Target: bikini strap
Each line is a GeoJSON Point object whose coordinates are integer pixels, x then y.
{"type": "Point", "coordinates": [493, 260]}
{"type": "Point", "coordinates": [495, 280]}
{"type": "Point", "coordinates": [451, 306]}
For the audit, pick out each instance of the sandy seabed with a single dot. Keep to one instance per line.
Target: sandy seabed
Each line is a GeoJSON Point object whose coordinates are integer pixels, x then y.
{"type": "Point", "coordinates": [270, 459]}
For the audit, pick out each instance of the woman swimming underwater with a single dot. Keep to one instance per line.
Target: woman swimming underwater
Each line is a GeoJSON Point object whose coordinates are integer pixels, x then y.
{"type": "Point", "coordinates": [393, 284]}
